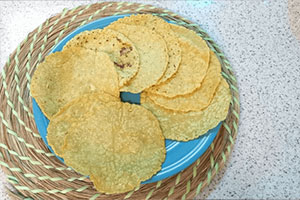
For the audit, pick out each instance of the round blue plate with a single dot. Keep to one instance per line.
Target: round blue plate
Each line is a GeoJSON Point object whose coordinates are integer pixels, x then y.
{"type": "Point", "coordinates": [179, 156]}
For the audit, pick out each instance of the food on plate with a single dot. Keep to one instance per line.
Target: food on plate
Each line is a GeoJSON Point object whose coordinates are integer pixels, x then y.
{"type": "Point", "coordinates": [162, 28]}
{"type": "Point", "coordinates": [187, 126]}
{"type": "Point", "coordinates": [117, 144]}
{"type": "Point", "coordinates": [68, 74]}
{"type": "Point", "coordinates": [72, 113]}
{"type": "Point", "coordinates": [120, 49]}
{"type": "Point", "coordinates": [191, 72]}
{"type": "Point", "coordinates": [153, 55]}
{"type": "Point", "coordinates": [200, 98]}
{"type": "Point", "coordinates": [190, 35]}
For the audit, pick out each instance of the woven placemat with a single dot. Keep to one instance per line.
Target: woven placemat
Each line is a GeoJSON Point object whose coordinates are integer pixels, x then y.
{"type": "Point", "coordinates": [35, 172]}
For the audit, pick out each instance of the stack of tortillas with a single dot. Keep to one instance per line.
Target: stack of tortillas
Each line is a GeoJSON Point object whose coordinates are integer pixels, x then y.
{"type": "Point", "coordinates": [117, 144]}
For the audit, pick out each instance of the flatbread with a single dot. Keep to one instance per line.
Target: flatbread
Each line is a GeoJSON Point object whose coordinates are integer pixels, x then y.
{"type": "Point", "coordinates": [120, 49]}
{"type": "Point", "coordinates": [163, 28]}
{"type": "Point", "coordinates": [190, 35]}
{"type": "Point", "coordinates": [119, 145]}
{"type": "Point", "coordinates": [153, 55]}
{"type": "Point", "coordinates": [71, 114]}
{"type": "Point", "coordinates": [187, 126]}
{"type": "Point", "coordinates": [191, 72]}
{"type": "Point", "coordinates": [199, 99]}
{"type": "Point", "coordinates": [66, 75]}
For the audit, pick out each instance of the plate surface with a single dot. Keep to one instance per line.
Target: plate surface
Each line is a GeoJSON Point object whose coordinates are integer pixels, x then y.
{"type": "Point", "coordinates": [179, 156]}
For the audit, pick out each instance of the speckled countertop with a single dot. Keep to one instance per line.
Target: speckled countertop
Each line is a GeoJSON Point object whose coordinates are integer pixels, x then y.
{"type": "Point", "coordinates": [265, 55]}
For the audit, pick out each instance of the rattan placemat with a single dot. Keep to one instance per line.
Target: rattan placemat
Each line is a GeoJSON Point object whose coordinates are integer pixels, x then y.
{"type": "Point", "coordinates": [294, 17]}
{"type": "Point", "coordinates": [35, 172]}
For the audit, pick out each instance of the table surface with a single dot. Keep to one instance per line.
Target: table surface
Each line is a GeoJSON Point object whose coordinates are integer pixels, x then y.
{"type": "Point", "coordinates": [262, 46]}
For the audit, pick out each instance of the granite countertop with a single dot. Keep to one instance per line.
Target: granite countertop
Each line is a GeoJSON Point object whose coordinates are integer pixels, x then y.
{"type": "Point", "coordinates": [264, 51]}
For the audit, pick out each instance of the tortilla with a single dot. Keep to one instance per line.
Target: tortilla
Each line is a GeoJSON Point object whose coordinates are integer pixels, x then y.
{"type": "Point", "coordinates": [71, 114]}
{"type": "Point", "coordinates": [190, 35]}
{"type": "Point", "coordinates": [162, 28]}
{"type": "Point", "coordinates": [153, 55]}
{"type": "Point", "coordinates": [191, 72]}
{"type": "Point", "coordinates": [119, 145]}
{"type": "Point", "coordinates": [187, 126]}
{"type": "Point", "coordinates": [199, 99]}
{"type": "Point", "coordinates": [66, 75]}
{"type": "Point", "coordinates": [120, 49]}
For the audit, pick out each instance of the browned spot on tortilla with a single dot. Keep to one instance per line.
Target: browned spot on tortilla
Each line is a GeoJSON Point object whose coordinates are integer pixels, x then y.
{"type": "Point", "coordinates": [125, 50]}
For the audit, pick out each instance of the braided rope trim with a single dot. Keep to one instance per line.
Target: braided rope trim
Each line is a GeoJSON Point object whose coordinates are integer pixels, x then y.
{"type": "Point", "coordinates": [165, 13]}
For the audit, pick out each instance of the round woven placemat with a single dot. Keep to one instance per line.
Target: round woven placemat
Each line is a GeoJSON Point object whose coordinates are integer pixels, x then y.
{"type": "Point", "coordinates": [35, 172]}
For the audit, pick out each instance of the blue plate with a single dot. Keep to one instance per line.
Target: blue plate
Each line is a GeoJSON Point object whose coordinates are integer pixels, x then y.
{"type": "Point", "coordinates": [179, 156]}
